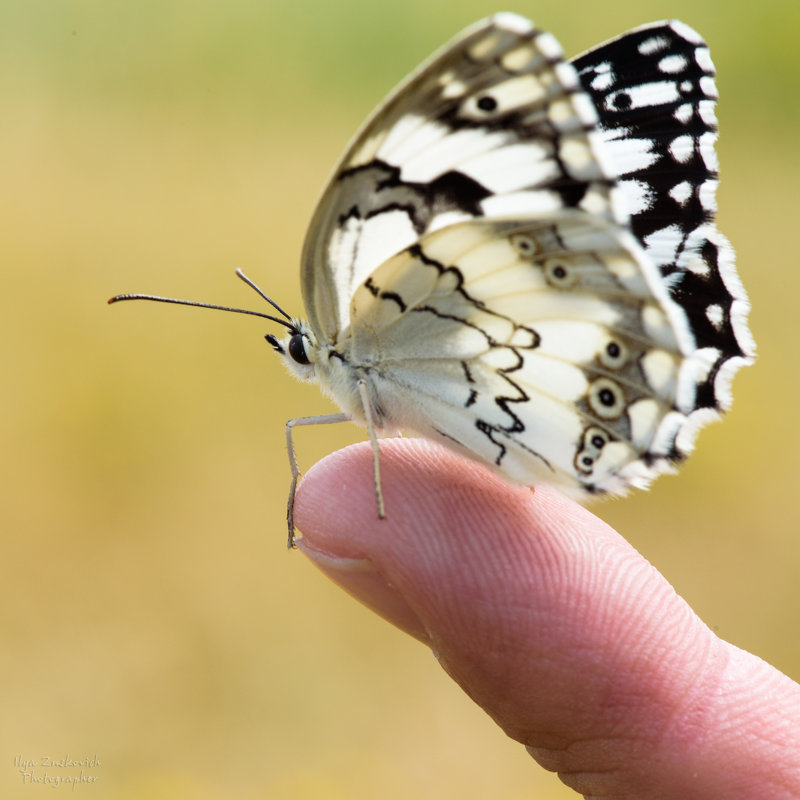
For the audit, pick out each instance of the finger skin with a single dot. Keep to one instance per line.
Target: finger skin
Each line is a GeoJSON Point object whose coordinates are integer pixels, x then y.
{"type": "Point", "coordinates": [548, 619]}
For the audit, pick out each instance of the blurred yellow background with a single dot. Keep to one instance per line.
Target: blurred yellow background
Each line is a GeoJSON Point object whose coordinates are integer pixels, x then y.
{"type": "Point", "coordinates": [150, 612]}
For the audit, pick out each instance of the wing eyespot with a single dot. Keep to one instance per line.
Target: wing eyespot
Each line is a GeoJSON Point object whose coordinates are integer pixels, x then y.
{"type": "Point", "coordinates": [525, 245]}
{"type": "Point", "coordinates": [593, 441]}
{"type": "Point", "coordinates": [614, 355]}
{"type": "Point", "coordinates": [606, 399]}
{"type": "Point", "coordinates": [559, 273]}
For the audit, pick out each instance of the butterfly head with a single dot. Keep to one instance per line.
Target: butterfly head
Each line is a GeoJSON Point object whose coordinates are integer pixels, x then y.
{"type": "Point", "coordinates": [299, 350]}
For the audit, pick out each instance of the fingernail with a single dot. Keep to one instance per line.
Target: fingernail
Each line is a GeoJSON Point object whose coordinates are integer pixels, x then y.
{"type": "Point", "coordinates": [361, 579]}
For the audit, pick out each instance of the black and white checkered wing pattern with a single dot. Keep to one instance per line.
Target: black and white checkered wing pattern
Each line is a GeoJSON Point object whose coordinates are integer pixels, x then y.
{"type": "Point", "coordinates": [655, 93]}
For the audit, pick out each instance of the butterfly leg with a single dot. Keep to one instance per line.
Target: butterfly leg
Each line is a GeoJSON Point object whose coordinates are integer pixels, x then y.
{"type": "Point", "coordinates": [373, 439]}
{"type": "Point", "coordinates": [323, 419]}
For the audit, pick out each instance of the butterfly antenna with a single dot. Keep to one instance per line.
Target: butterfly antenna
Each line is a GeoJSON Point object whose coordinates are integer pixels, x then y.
{"type": "Point", "coordinates": [253, 285]}
{"type": "Point", "coordinates": [174, 301]}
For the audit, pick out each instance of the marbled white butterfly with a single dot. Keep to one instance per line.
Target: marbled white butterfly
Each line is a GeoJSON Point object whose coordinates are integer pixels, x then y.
{"type": "Point", "coordinates": [516, 257]}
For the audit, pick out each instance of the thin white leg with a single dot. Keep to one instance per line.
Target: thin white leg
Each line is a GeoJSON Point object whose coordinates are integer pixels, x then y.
{"type": "Point", "coordinates": [323, 419]}
{"type": "Point", "coordinates": [376, 453]}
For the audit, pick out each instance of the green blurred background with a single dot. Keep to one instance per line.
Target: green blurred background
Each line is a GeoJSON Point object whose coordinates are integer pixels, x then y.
{"type": "Point", "coordinates": [150, 612]}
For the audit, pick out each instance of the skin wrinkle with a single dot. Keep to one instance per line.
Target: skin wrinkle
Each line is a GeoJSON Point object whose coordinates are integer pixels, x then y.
{"type": "Point", "coordinates": [657, 731]}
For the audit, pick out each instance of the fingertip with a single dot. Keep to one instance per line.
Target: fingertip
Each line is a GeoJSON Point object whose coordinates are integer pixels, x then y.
{"type": "Point", "coordinates": [434, 501]}
{"type": "Point", "coordinates": [455, 536]}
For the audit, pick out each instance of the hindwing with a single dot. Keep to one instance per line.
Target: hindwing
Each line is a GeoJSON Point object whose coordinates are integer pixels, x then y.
{"type": "Point", "coordinates": [547, 349]}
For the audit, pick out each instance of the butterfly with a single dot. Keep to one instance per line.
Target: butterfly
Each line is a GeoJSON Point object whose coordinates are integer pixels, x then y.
{"type": "Point", "coordinates": [516, 257]}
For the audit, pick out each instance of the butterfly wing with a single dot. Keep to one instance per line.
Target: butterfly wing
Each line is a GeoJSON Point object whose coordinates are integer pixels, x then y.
{"type": "Point", "coordinates": [548, 349]}
{"type": "Point", "coordinates": [494, 124]}
{"type": "Point", "coordinates": [655, 94]}
{"type": "Point", "coordinates": [473, 261]}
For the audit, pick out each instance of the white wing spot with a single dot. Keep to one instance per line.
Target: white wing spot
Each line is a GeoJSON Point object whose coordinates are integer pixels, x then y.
{"type": "Point", "coordinates": [708, 87]}
{"type": "Point", "coordinates": [708, 151]}
{"type": "Point", "coordinates": [519, 59]}
{"type": "Point", "coordinates": [685, 32]}
{"type": "Point", "coordinates": [483, 48]}
{"type": "Point", "coordinates": [653, 45]}
{"type": "Point", "coordinates": [703, 58]}
{"type": "Point", "coordinates": [548, 46]}
{"type": "Point", "coordinates": [512, 22]}
{"type": "Point", "coordinates": [708, 194]}
{"type": "Point", "coordinates": [631, 155]}
{"type": "Point", "coordinates": [442, 154]}
{"type": "Point", "coordinates": [684, 113]}
{"type": "Point", "coordinates": [655, 93]}
{"type": "Point", "coordinates": [577, 157]}
{"type": "Point", "coordinates": [681, 192]}
{"type": "Point", "coordinates": [638, 195]}
{"type": "Point", "coordinates": [561, 112]}
{"type": "Point", "coordinates": [509, 169]}
{"type": "Point", "coordinates": [682, 148]}
{"type": "Point", "coordinates": [657, 326]}
{"type": "Point", "coordinates": [644, 416]}
{"type": "Point", "coordinates": [411, 127]}
{"type": "Point", "coordinates": [604, 78]}
{"type": "Point", "coordinates": [522, 204]}
{"type": "Point", "coordinates": [454, 88]}
{"type": "Point", "coordinates": [660, 369]}
{"type": "Point", "coordinates": [596, 201]}
{"type": "Point", "coordinates": [705, 108]}
{"type": "Point", "coordinates": [672, 64]}
{"type": "Point", "coordinates": [448, 218]}
{"type": "Point", "coordinates": [662, 245]}
{"type": "Point", "coordinates": [522, 90]}
{"type": "Point", "coordinates": [715, 315]}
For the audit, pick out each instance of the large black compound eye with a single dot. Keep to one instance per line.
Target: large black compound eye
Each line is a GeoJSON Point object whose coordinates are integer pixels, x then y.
{"type": "Point", "coordinates": [297, 349]}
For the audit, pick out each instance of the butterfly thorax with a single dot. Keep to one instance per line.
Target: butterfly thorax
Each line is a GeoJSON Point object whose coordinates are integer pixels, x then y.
{"type": "Point", "coordinates": [313, 360]}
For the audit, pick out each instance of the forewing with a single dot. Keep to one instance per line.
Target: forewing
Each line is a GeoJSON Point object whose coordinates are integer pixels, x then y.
{"type": "Point", "coordinates": [548, 349]}
{"type": "Point", "coordinates": [493, 125]}
{"type": "Point", "coordinates": [655, 93]}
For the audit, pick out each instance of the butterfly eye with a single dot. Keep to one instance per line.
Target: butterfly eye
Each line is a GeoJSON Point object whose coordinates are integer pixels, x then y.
{"type": "Point", "coordinates": [297, 349]}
